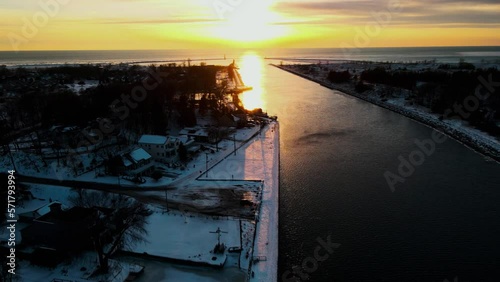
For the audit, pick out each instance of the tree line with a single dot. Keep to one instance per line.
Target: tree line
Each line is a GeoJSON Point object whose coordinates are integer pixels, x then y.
{"type": "Point", "coordinates": [438, 89]}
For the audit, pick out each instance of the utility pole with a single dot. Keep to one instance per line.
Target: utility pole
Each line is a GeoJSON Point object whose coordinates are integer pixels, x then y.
{"type": "Point", "coordinates": [241, 247]}
{"type": "Point", "coordinates": [217, 140]}
{"type": "Point", "coordinates": [234, 143]}
{"type": "Point", "coordinates": [218, 232]}
{"type": "Point", "coordinates": [166, 198]}
{"type": "Point", "coordinates": [206, 165]}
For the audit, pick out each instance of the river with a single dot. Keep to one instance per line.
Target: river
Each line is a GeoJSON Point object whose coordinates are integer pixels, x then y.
{"type": "Point", "coordinates": [441, 223]}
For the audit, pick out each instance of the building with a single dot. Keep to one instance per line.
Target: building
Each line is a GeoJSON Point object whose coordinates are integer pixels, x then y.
{"type": "Point", "coordinates": [138, 163]}
{"type": "Point", "coordinates": [155, 145]}
{"type": "Point", "coordinates": [135, 163]}
{"type": "Point", "coordinates": [32, 215]}
{"type": "Point", "coordinates": [200, 135]}
{"type": "Point", "coordinates": [58, 233]}
{"type": "Point", "coordinates": [163, 149]}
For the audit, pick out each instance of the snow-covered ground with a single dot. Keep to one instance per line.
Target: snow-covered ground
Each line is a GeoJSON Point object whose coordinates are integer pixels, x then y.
{"type": "Point", "coordinates": [32, 165]}
{"type": "Point", "coordinates": [190, 237]}
{"type": "Point", "coordinates": [77, 87]}
{"type": "Point", "coordinates": [256, 160]}
{"type": "Point", "coordinates": [157, 270]}
{"type": "Point", "coordinates": [175, 235]}
{"type": "Point", "coordinates": [259, 160]}
{"type": "Point", "coordinates": [248, 163]}
{"type": "Point", "coordinates": [80, 269]}
{"type": "Point", "coordinates": [266, 239]}
{"type": "Point", "coordinates": [186, 236]}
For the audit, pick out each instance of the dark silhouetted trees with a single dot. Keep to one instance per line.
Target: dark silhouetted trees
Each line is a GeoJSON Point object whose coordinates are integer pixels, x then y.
{"type": "Point", "coordinates": [339, 76]}
{"type": "Point", "coordinates": [120, 222]}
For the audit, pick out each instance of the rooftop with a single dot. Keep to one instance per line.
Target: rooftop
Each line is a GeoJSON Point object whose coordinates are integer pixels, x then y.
{"type": "Point", "coordinates": [42, 210]}
{"type": "Point", "coordinates": [153, 139]}
{"type": "Point", "coordinates": [75, 214]}
{"type": "Point", "coordinates": [139, 154]}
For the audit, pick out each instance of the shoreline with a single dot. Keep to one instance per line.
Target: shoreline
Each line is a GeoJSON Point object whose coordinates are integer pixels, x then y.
{"type": "Point", "coordinates": [266, 241]}
{"type": "Point", "coordinates": [475, 142]}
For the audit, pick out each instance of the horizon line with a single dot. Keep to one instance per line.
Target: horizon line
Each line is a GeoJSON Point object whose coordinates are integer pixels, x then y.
{"type": "Point", "coordinates": [256, 48]}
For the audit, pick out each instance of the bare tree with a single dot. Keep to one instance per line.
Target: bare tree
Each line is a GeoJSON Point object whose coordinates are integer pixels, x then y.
{"type": "Point", "coordinates": [119, 223]}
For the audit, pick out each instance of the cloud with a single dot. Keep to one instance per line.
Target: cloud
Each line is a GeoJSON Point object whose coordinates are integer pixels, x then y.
{"type": "Point", "coordinates": [159, 21]}
{"type": "Point", "coordinates": [325, 7]}
{"type": "Point", "coordinates": [425, 12]}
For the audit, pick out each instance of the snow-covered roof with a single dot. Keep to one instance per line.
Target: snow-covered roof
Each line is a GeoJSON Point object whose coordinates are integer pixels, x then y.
{"type": "Point", "coordinates": [70, 128]}
{"type": "Point", "coordinates": [187, 131]}
{"type": "Point", "coordinates": [201, 132]}
{"type": "Point", "coordinates": [46, 209]}
{"type": "Point", "coordinates": [174, 139]}
{"type": "Point", "coordinates": [184, 139]}
{"type": "Point", "coordinates": [190, 131]}
{"type": "Point", "coordinates": [43, 210]}
{"type": "Point", "coordinates": [153, 139]}
{"type": "Point", "coordinates": [139, 155]}
{"type": "Point", "coordinates": [126, 161]}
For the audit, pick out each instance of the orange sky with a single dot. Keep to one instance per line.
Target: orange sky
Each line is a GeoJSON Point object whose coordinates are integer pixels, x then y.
{"type": "Point", "coordinates": [203, 24]}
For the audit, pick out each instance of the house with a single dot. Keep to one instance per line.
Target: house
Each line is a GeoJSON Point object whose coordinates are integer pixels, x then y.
{"type": "Point", "coordinates": [58, 233]}
{"type": "Point", "coordinates": [163, 149]}
{"type": "Point", "coordinates": [138, 163]}
{"type": "Point", "coordinates": [201, 135]}
{"type": "Point", "coordinates": [189, 144]}
{"type": "Point", "coordinates": [32, 215]}
{"type": "Point", "coordinates": [135, 163]}
{"type": "Point", "coordinates": [155, 145]}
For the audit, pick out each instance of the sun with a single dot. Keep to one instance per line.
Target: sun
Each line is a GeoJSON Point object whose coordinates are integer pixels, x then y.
{"type": "Point", "coordinates": [251, 21]}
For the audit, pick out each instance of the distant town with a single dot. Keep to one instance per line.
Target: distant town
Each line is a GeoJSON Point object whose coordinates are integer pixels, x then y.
{"type": "Point", "coordinates": [112, 164]}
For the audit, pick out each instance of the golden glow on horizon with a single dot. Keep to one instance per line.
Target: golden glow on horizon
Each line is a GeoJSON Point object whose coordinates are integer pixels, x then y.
{"type": "Point", "coordinates": [197, 24]}
{"type": "Point", "coordinates": [252, 22]}
{"type": "Point", "coordinates": [251, 70]}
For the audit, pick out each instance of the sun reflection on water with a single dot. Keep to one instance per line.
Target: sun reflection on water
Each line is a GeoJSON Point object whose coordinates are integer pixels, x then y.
{"type": "Point", "coordinates": [251, 70]}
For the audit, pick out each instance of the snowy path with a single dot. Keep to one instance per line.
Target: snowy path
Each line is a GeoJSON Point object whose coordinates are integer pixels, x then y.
{"type": "Point", "coordinates": [259, 160]}
{"type": "Point", "coordinates": [242, 137]}
{"type": "Point", "coordinates": [266, 240]}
